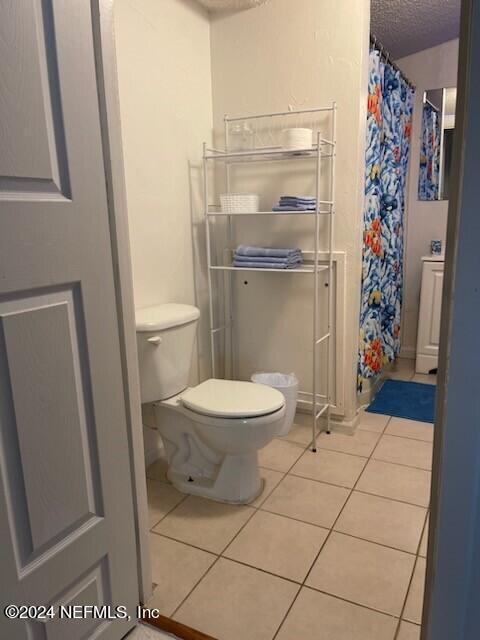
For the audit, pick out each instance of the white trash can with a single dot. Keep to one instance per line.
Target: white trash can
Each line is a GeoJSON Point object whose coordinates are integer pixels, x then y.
{"type": "Point", "coordinates": [287, 383]}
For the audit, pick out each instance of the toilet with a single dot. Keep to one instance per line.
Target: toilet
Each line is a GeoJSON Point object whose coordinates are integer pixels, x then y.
{"type": "Point", "coordinates": [213, 431]}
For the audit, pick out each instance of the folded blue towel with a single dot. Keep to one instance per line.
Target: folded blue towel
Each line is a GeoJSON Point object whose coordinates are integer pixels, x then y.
{"type": "Point", "coordinates": [296, 203]}
{"type": "Point", "coordinates": [298, 197]}
{"type": "Point", "coordinates": [294, 258]}
{"type": "Point", "coordinates": [264, 265]}
{"type": "Point", "coordinates": [306, 203]}
{"type": "Point", "coordinates": [305, 199]}
{"type": "Point", "coordinates": [294, 207]}
{"type": "Point", "coordinates": [246, 250]}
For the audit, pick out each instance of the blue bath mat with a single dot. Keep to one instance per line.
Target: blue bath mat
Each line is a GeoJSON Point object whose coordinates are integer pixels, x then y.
{"type": "Point", "coordinates": [402, 399]}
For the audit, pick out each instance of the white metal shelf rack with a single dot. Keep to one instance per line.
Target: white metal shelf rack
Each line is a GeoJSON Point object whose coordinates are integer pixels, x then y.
{"type": "Point", "coordinates": [323, 150]}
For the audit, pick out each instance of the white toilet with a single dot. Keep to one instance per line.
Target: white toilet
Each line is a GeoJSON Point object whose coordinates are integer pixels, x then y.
{"type": "Point", "coordinates": [211, 432]}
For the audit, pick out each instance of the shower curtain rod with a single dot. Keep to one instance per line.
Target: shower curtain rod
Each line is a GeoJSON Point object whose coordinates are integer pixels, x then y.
{"type": "Point", "coordinates": [388, 58]}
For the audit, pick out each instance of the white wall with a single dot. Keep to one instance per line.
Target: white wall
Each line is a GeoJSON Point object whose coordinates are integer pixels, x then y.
{"type": "Point", "coordinates": [163, 57]}
{"type": "Point", "coordinates": [432, 68]}
{"type": "Point", "coordinates": [171, 61]}
{"type": "Point", "coordinates": [302, 54]}
{"type": "Point", "coordinates": [164, 74]}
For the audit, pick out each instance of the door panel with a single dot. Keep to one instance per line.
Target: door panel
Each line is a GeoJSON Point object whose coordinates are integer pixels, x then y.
{"type": "Point", "coordinates": [66, 514]}
{"type": "Point", "coordinates": [436, 308]}
{"type": "Point", "coordinates": [429, 317]}
{"type": "Point", "coordinates": [90, 589]}
{"type": "Point", "coordinates": [33, 158]}
{"type": "Point", "coordinates": [39, 356]}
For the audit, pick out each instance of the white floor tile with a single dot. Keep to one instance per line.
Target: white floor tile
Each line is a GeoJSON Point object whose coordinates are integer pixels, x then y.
{"type": "Point", "coordinates": [204, 523]}
{"type": "Point", "coordinates": [410, 429]}
{"type": "Point", "coordinates": [387, 522]}
{"type": "Point", "coordinates": [330, 466]}
{"type": "Point", "coordinates": [413, 453]}
{"type": "Point", "coordinates": [317, 616]}
{"type": "Point", "coordinates": [176, 569]}
{"type": "Point", "coordinates": [278, 545]}
{"type": "Point", "coordinates": [361, 443]}
{"type": "Point", "coordinates": [397, 482]}
{"type": "Point", "coordinates": [363, 572]}
{"type": "Point", "coordinates": [414, 604]}
{"type": "Point", "coordinates": [235, 602]}
{"type": "Point", "coordinates": [162, 498]}
{"type": "Point", "coordinates": [408, 631]}
{"type": "Point", "coordinates": [307, 500]}
{"type": "Point", "coordinates": [280, 455]}
{"type": "Point", "coordinates": [372, 421]}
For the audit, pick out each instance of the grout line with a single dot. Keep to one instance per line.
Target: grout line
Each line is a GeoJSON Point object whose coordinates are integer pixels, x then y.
{"type": "Point", "coordinates": [329, 535]}
{"type": "Point", "coordinates": [362, 427]}
{"type": "Point", "coordinates": [356, 455]}
{"type": "Point", "coordinates": [349, 496]}
{"type": "Point", "coordinates": [220, 555]}
{"type": "Point", "coordinates": [379, 495]}
{"type": "Point", "coordinates": [330, 484]}
{"type": "Point", "coordinates": [167, 513]}
{"type": "Point", "coordinates": [396, 435]}
{"type": "Point", "coordinates": [364, 606]}
{"type": "Point", "coordinates": [276, 575]}
{"type": "Point", "coordinates": [187, 544]}
{"type": "Point", "coordinates": [381, 436]}
{"type": "Point", "coordinates": [260, 507]}
{"type": "Point", "coordinates": [343, 486]}
{"type": "Point", "coordinates": [410, 582]}
{"type": "Point", "coordinates": [343, 453]}
{"type": "Point", "coordinates": [424, 530]}
{"type": "Point", "coordinates": [324, 527]}
{"type": "Point", "coordinates": [265, 498]}
{"type": "Point", "coordinates": [298, 583]}
{"type": "Point", "coordinates": [408, 466]}
{"type": "Point", "coordinates": [254, 511]}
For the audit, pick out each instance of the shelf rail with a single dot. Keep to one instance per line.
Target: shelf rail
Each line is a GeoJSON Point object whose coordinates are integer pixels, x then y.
{"type": "Point", "coordinates": [321, 403]}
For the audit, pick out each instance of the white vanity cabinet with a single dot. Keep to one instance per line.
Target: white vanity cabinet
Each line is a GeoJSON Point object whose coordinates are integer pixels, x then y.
{"type": "Point", "coordinates": [428, 336]}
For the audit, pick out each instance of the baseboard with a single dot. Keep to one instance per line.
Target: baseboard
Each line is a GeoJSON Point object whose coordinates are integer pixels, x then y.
{"type": "Point", "coordinates": [338, 423]}
{"type": "Point", "coordinates": [304, 405]}
{"type": "Point", "coordinates": [409, 353]}
{"type": "Point", "coordinates": [370, 388]}
{"type": "Point", "coordinates": [178, 629]}
{"type": "Point", "coordinates": [425, 363]}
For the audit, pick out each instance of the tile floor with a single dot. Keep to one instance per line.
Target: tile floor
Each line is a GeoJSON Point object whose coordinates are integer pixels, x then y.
{"type": "Point", "coordinates": [404, 369]}
{"type": "Point", "coordinates": [334, 548]}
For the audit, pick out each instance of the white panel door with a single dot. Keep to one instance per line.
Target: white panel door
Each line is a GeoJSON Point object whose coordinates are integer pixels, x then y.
{"type": "Point", "coordinates": [429, 316]}
{"type": "Point", "coordinates": [66, 511]}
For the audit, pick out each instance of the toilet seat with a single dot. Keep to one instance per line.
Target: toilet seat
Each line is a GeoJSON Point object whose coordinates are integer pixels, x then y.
{"type": "Point", "coordinates": [232, 399]}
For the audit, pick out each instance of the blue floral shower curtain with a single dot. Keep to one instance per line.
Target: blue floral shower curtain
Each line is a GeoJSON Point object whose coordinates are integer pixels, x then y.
{"type": "Point", "coordinates": [389, 125]}
{"type": "Point", "coordinates": [428, 179]}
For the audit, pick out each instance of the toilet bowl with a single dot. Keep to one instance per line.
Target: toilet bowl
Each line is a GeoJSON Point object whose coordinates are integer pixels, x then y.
{"type": "Point", "coordinates": [213, 431]}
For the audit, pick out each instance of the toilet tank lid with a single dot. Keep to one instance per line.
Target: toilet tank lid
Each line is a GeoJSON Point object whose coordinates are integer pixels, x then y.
{"type": "Point", "coordinates": [165, 316]}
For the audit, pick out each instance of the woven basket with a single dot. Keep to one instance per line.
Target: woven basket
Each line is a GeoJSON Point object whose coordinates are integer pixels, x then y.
{"type": "Point", "coordinates": [239, 202]}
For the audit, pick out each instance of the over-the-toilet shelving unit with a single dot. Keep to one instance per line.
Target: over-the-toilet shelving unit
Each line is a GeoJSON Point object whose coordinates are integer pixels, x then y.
{"type": "Point", "coordinates": [324, 150]}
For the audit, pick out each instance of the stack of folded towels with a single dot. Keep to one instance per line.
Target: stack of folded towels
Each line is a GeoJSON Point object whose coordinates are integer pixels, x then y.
{"type": "Point", "coordinates": [296, 203]}
{"type": "Point", "coordinates": [266, 257]}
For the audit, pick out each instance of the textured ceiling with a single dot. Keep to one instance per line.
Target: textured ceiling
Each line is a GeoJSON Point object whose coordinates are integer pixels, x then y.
{"type": "Point", "coordinates": [407, 26]}
{"type": "Point", "coordinates": [228, 5]}
{"type": "Point", "coordinates": [402, 26]}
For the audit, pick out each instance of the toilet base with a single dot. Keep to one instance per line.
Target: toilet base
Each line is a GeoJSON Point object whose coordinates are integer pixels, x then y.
{"type": "Point", "coordinates": [237, 482]}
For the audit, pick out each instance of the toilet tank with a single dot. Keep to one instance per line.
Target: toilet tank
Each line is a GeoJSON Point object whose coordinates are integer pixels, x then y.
{"type": "Point", "coordinates": [165, 340]}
